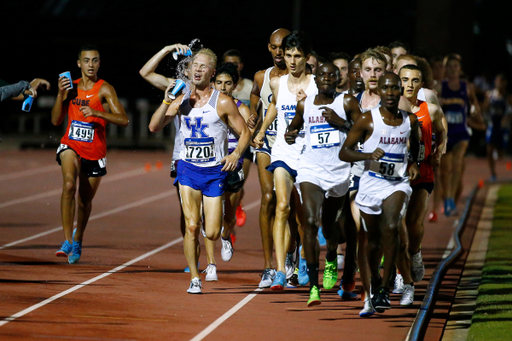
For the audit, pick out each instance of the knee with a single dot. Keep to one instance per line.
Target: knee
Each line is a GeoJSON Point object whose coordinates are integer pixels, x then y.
{"type": "Point", "coordinates": [191, 228]}
{"type": "Point", "coordinates": [213, 235]}
{"type": "Point", "coordinates": [393, 229]}
{"type": "Point", "coordinates": [283, 208]}
{"type": "Point", "coordinates": [266, 198]}
{"type": "Point", "coordinates": [69, 186]}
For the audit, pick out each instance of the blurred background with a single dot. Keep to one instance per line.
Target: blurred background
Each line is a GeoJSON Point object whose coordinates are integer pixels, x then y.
{"type": "Point", "coordinates": [41, 39]}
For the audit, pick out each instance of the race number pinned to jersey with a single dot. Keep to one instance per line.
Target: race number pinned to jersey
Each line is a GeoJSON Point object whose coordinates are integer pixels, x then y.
{"type": "Point", "coordinates": [324, 136]}
{"type": "Point", "coordinates": [288, 117]}
{"type": "Point", "coordinates": [421, 156]}
{"type": "Point", "coordinates": [200, 150]}
{"type": "Point", "coordinates": [272, 128]}
{"type": "Point", "coordinates": [390, 167]}
{"type": "Point", "coordinates": [454, 117]}
{"type": "Point", "coordinates": [81, 131]}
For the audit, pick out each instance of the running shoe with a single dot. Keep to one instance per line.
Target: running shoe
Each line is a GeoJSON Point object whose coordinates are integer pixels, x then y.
{"type": "Point", "coordinates": [241, 217]}
{"type": "Point", "coordinates": [399, 284]}
{"type": "Point", "coordinates": [65, 249]}
{"type": "Point", "coordinates": [267, 277]}
{"type": "Point", "coordinates": [346, 295]}
{"type": "Point", "coordinates": [233, 240]}
{"type": "Point", "coordinates": [289, 266]}
{"type": "Point", "coordinates": [314, 296]}
{"type": "Point", "coordinates": [211, 273]}
{"type": "Point", "coordinates": [380, 300]}
{"type": "Point", "coordinates": [303, 270]}
{"type": "Point", "coordinates": [432, 217]}
{"type": "Point", "coordinates": [321, 238]}
{"type": "Point", "coordinates": [187, 269]}
{"type": "Point", "coordinates": [453, 207]}
{"type": "Point", "coordinates": [407, 295]}
{"type": "Point", "coordinates": [76, 252]}
{"type": "Point", "coordinates": [368, 309]}
{"type": "Point", "coordinates": [279, 281]}
{"type": "Point", "coordinates": [348, 279]}
{"type": "Point", "coordinates": [227, 249]}
{"type": "Point", "coordinates": [417, 267]}
{"type": "Point", "coordinates": [73, 237]}
{"type": "Point", "coordinates": [195, 286]}
{"type": "Point", "coordinates": [448, 207]}
{"type": "Point", "coordinates": [340, 259]}
{"type": "Point", "coordinates": [293, 282]}
{"type": "Point", "coordinates": [330, 274]}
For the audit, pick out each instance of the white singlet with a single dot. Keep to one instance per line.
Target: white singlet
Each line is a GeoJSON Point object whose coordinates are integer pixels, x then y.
{"type": "Point", "coordinates": [320, 162]}
{"type": "Point", "coordinates": [285, 104]}
{"type": "Point", "coordinates": [204, 136]}
{"type": "Point", "coordinates": [177, 139]}
{"type": "Point", "coordinates": [266, 99]}
{"type": "Point", "coordinates": [244, 94]}
{"type": "Point", "coordinates": [388, 175]}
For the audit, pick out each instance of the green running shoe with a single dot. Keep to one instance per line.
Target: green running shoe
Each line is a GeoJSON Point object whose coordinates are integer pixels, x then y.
{"type": "Point", "coordinates": [330, 274]}
{"type": "Point", "coordinates": [314, 296]}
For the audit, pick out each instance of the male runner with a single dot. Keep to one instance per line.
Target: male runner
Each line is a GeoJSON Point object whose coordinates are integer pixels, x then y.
{"type": "Point", "coordinates": [430, 120]}
{"type": "Point", "coordinates": [384, 188]}
{"type": "Point", "coordinates": [354, 76]}
{"type": "Point", "coordinates": [205, 115]}
{"type": "Point", "coordinates": [398, 48]}
{"type": "Point", "coordinates": [83, 149]}
{"type": "Point", "coordinates": [287, 91]}
{"type": "Point", "coordinates": [341, 60]}
{"type": "Point", "coordinates": [322, 176]}
{"type": "Point", "coordinates": [261, 92]}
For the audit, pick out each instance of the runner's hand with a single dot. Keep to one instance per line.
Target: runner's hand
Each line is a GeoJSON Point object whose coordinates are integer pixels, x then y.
{"type": "Point", "coordinates": [377, 154]}
{"type": "Point", "coordinates": [251, 122]}
{"type": "Point", "coordinates": [87, 111]}
{"type": "Point", "coordinates": [64, 84]}
{"type": "Point", "coordinates": [414, 172]}
{"type": "Point", "coordinates": [331, 117]}
{"type": "Point", "coordinates": [290, 136]}
{"type": "Point", "coordinates": [259, 140]}
{"type": "Point", "coordinates": [435, 159]}
{"type": "Point", "coordinates": [230, 162]}
{"type": "Point", "coordinates": [177, 47]}
{"type": "Point", "coordinates": [301, 95]}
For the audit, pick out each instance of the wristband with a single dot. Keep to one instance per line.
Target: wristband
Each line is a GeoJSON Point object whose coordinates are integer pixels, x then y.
{"type": "Point", "coordinates": [164, 101]}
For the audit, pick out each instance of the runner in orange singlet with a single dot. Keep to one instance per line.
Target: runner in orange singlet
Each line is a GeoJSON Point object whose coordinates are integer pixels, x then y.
{"type": "Point", "coordinates": [430, 121]}
{"type": "Point", "coordinates": [89, 105]}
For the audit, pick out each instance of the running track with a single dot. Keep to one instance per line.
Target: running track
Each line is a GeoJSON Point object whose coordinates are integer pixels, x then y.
{"type": "Point", "coordinates": [130, 285]}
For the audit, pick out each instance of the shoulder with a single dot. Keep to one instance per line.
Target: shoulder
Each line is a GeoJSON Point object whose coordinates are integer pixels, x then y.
{"type": "Point", "coordinates": [225, 101]}
{"type": "Point", "coordinates": [432, 108]}
{"type": "Point", "coordinates": [259, 77]}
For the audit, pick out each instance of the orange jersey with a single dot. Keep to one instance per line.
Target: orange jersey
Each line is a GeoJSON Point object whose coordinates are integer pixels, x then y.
{"type": "Point", "coordinates": [426, 170]}
{"type": "Point", "coordinates": [86, 136]}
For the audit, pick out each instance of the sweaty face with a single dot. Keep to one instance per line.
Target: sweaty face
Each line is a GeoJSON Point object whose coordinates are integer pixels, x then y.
{"type": "Point", "coordinates": [236, 61]}
{"type": "Point", "coordinates": [396, 52]}
{"type": "Point", "coordinates": [354, 74]}
{"type": "Point", "coordinates": [224, 83]}
{"type": "Point", "coordinates": [295, 61]}
{"type": "Point", "coordinates": [274, 46]}
{"type": "Point", "coordinates": [327, 78]}
{"type": "Point", "coordinates": [89, 62]}
{"type": "Point", "coordinates": [313, 62]}
{"type": "Point", "coordinates": [371, 72]}
{"type": "Point", "coordinates": [201, 70]}
{"type": "Point", "coordinates": [389, 90]}
{"type": "Point", "coordinates": [411, 81]}
{"type": "Point", "coordinates": [342, 64]}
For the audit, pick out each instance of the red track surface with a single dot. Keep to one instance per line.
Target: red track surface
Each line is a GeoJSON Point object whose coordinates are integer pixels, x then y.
{"type": "Point", "coordinates": [136, 211]}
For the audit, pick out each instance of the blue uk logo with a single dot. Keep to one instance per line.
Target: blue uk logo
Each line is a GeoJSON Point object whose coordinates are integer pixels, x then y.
{"type": "Point", "coordinates": [197, 128]}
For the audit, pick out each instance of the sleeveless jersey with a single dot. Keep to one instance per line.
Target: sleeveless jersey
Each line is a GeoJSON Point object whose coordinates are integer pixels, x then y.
{"type": "Point", "coordinates": [426, 170]}
{"type": "Point", "coordinates": [244, 94]}
{"type": "Point", "coordinates": [86, 136]}
{"type": "Point", "coordinates": [497, 107]}
{"type": "Point", "coordinates": [204, 136]}
{"type": "Point", "coordinates": [393, 141]}
{"type": "Point", "coordinates": [266, 99]}
{"type": "Point", "coordinates": [323, 142]}
{"type": "Point", "coordinates": [456, 108]}
{"type": "Point", "coordinates": [177, 139]}
{"type": "Point", "coordinates": [232, 140]}
{"type": "Point", "coordinates": [286, 104]}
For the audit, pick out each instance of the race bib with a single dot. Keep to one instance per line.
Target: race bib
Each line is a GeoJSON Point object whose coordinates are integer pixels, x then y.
{"type": "Point", "coordinates": [389, 167]}
{"type": "Point", "coordinates": [200, 150]}
{"type": "Point", "coordinates": [81, 131]}
{"type": "Point", "coordinates": [272, 128]}
{"type": "Point", "coordinates": [288, 117]}
{"type": "Point", "coordinates": [454, 117]}
{"type": "Point", "coordinates": [324, 136]}
{"type": "Point", "coordinates": [421, 156]}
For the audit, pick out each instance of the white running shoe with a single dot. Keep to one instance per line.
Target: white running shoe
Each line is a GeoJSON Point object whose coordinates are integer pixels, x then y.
{"type": "Point", "coordinates": [368, 309]}
{"type": "Point", "coordinates": [399, 284]}
{"type": "Point", "coordinates": [195, 286]}
{"type": "Point", "coordinates": [417, 267]}
{"type": "Point", "coordinates": [407, 295]}
{"type": "Point", "coordinates": [211, 273]}
{"type": "Point", "coordinates": [289, 267]}
{"type": "Point", "coordinates": [341, 260]}
{"type": "Point", "coordinates": [227, 249]}
{"type": "Point", "coordinates": [267, 277]}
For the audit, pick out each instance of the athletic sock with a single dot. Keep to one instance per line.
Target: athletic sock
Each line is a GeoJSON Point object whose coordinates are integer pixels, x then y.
{"type": "Point", "coordinates": [331, 255]}
{"type": "Point", "coordinates": [313, 274]}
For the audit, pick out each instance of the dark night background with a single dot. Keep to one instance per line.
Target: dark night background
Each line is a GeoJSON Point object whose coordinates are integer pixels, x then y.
{"type": "Point", "coordinates": [41, 38]}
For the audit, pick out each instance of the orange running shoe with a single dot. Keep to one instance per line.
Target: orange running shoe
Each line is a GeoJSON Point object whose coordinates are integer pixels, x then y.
{"type": "Point", "coordinates": [241, 217]}
{"type": "Point", "coordinates": [233, 239]}
{"type": "Point", "coordinates": [432, 217]}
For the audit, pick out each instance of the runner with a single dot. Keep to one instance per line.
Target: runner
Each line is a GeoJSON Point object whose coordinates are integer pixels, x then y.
{"type": "Point", "coordinates": [384, 187]}
{"type": "Point", "coordinates": [83, 148]}
{"type": "Point", "coordinates": [354, 75]}
{"type": "Point", "coordinates": [322, 176]}
{"type": "Point", "coordinates": [261, 92]}
{"type": "Point", "coordinates": [287, 91]}
{"type": "Point", "coordinates": [341, 60]}
{"type": "Point", "coordinates": [398, 48]}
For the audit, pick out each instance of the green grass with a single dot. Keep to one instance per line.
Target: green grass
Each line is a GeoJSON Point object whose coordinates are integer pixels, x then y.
{"type": "Point", "coordinates": [493, 315]}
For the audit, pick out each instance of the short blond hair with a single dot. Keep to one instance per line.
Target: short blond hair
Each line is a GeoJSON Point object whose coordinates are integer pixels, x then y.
{"type": "Point", "coordinates": [375, 54]}
{"type": "Point", "coordinates": [209, 53]}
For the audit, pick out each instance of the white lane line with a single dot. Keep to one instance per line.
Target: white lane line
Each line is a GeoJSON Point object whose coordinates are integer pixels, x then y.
{"type": "Point", "coordinates": [83, 284]}
{"type": "Point", "coordinates": [97, 216]}
{"type": "Point", "coordinates": [28, 172]}
{"type": "Point", "coordinates": [115, 177]}
{"type": "Point", "coordinates": [224, 317]}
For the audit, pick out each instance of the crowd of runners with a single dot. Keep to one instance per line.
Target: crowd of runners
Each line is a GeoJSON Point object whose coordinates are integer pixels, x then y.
{"type": "Point", "coordinates": [348, 150]}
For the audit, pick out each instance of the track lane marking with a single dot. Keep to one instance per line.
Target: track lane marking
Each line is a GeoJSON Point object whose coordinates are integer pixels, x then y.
{"type": "Point", "coordinates": [28, 172]}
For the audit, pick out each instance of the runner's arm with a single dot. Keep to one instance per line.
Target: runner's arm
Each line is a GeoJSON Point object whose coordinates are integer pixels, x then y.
{"type": "Point", "coordinates": [414, 143]}
{"type": "Point", "coordinates": [440, 132]}
{"type": "Point", "coordinates": [117, 115]}
{"type": "Point", "coordinates": [59, 111]}
{"type": "Point", "coordinates": [364, 124]}
{"type": "Point", "coordinates": [292, 131]}
{"type": "Point", "coordinates": [148, 70]}
{"type": "Point", "coordinates": [271, 114]}
{"type": "Point", "coordinates": [228, 107]}
{"type": "Point", "coordinates": [165, 112]}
